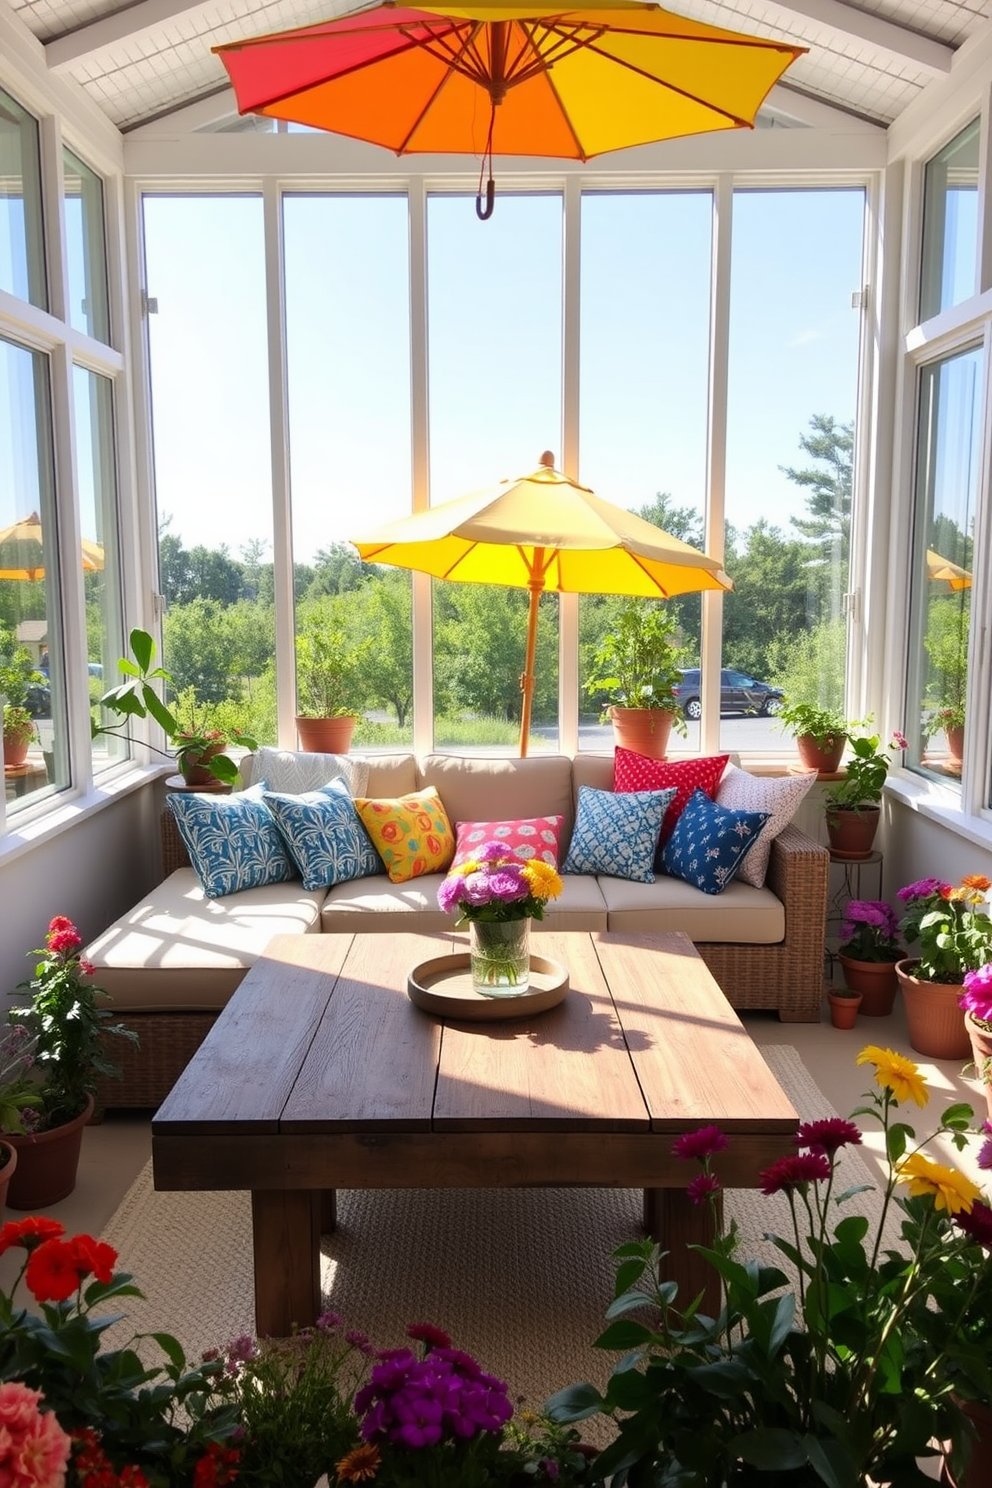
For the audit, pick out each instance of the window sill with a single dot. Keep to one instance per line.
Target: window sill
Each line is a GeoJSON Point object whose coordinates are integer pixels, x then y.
{"type": "Point", "coordinates": [941, 804]}
{"type": "Point", "coordinates": [56, 815]}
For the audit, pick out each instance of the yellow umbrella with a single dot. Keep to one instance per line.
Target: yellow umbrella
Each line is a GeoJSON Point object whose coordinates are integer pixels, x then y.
{"type": "Point", "coordinates": [942, 568]}
{"type": "Point", "coordinates": [543, 532]}
{"type": "Point", "coordinates": [27, 544]}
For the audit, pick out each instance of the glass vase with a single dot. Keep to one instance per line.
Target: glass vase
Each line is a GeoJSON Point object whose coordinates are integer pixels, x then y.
{"type": "Point", "coordinates": [500, 952]}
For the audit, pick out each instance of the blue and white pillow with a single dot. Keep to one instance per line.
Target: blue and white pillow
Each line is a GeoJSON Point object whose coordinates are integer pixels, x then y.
{"type": "Point", "coordinates": [616, 833]}
{"type": "Point", "coordinates": [710, 843]}
{"type": "Point", "coordinates": [324, 835]}
{"type": "Point", "coordinates": [233, 841]}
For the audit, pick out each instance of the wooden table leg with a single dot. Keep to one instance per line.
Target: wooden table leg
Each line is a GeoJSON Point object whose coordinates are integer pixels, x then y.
{"type": "Point", "coordinates": [286, 1240]}
{"type": "Point", "coordinates": [676, 1223]}
{"type": "Point", "coordinates": [328, 1211]}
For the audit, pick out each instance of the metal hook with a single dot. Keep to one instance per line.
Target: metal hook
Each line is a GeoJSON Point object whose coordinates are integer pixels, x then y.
{"type": "Point", "coordinates": [484, 213]}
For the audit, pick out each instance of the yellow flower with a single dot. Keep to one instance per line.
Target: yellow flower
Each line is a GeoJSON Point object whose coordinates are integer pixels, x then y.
{"type": "Point", "coordinates": [543, 879]}
{"type": "Point", "coordinates": [359, 1465]}
{"type": "Point", "coordinates": [951, 1190]}
{"type": "Point", "coordinates": [896, 1073]}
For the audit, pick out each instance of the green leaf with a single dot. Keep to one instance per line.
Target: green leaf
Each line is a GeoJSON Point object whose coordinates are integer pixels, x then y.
{"type": "Point", "coordinates": [143, 648]}
{"type": "Point", "coordinates": [624, 1335]}
{"type": "Point", "coordinates": [574, 1403]}
{"type": "Point", "coordinates": [772, 1449]}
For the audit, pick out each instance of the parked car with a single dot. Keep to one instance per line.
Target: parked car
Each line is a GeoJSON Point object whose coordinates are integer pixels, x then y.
{"type": "Point", "coordinates": [739, 693]}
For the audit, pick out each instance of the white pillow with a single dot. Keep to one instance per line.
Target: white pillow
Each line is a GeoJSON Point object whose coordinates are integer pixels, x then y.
{"type": "Point", "coordinates": [295, 771]}
{"type": "Point", "coordinates": [779, 795]}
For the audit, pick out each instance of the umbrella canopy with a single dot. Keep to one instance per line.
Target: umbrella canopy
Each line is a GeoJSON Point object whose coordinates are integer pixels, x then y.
{"type": "Point", "coordinates": [22, 551]}
{"type": "Point", "coordinates": [942, 568]}
{"type": "Point", "coordinates": [568, 85]}
{"type": "Point", "coordinates": [543, 532]}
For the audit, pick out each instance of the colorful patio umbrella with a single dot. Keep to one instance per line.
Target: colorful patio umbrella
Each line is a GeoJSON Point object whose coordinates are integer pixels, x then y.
{"type": "Point", "coordinates": [22, 551]}
{"type": "Point", "coordinates": [942, 568]}
{"type": "Point", "coordinates": [570, 85]}
{"type": "Point", "coordinates": [543, 532]}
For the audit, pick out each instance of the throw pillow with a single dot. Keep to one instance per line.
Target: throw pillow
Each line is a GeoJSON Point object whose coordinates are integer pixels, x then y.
{"type": "Point", "coordinates": [710, 843]}
{"type": "Point", "coordinates": [233, 841]}
{"type": "Point", "coordinates": [294, 771]}
{"type": "Point", "coordinates": [779, 796]}
{"type": "Point", "coordinates": [635, 772]}
{"type": "Point", "coordinates": [617, 834]}
{"type": "Point", "coordinates": [412, 834]}
{"type": "Point", "coordinates": [528, 837]}
{"type": "Point", "coordinates": [324, 835]}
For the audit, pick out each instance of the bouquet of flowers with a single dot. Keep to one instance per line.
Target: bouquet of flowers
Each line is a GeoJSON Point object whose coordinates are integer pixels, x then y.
{"type": "Point", "coordinates": [496, 886]}
{"type": "Point", "coordinates": [951, 924]}
{"type": "Point", "coordinates": [870, 931]}
{"type": "Point", "coordinates": [842, 1371]}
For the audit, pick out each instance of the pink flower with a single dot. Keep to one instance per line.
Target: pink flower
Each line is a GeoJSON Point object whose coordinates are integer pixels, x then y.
{"type": "Point", "coordinates": [976, 998]}
{"type": "Point", "coordinates": [924, 888]}
{"type": "Point", "coordinates": [429, 1334]}
{"type": "Point", "coordinates": [827, 1135]}
{"type": "Point", "coordinates": [701, 1187]}
{"type": "Point", "coordinates": [34, 1450]}
{"type": "Point", "coordinates": [451, 893]}
{"type": "Point", "coordinates": [507, 884]}
{"type": "Point", "coordinates": [795, 1172]}
{"type": "Point", "coordinates": [698, 1145]}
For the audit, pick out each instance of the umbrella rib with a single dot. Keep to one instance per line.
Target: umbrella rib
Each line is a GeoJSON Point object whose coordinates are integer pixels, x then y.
{"type": "Point", "coordinates": [561, 102]}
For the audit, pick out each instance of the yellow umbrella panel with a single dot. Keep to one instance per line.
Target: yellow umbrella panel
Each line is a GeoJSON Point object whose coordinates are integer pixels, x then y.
{"type": "Point", "coordinates": [543, 532]}
{"type": "Point", "coordinates": [951, 573]}
{"type": "Point", "coordinates": [22, 551]}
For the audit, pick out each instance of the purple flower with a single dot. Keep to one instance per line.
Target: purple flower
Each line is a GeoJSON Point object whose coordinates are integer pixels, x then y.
{"type": "Point", "coordinates": [698, 1145]}
{"type": "Point", "coordinates": [984, 1158]}
{"type": "Point", "coordinates": [493, 852]}
{"type": "Point", "coordinates": [451, 893]}
{"type": "Point", "coordinates": [701, 1187]}
{"type": "Point", "coordinates": [924, 888]}
{"type": "Point", "coordinates": [977, 995]}
{"type": "Point", "coordinates": [506, 884]}
{"type": "Point", "coordinates": [328, 1321]}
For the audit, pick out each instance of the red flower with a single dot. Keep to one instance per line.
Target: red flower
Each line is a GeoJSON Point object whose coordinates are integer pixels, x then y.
{"type": "Point", "coordinates": [57, 1268]}
{"type": "Point", "coordinates": [87, 968]}
{"type": "Point", "coordinates": [701, 1144]}
{"type": "Point", "coordinates": [793, 1172]}
{"type": "Point", "coordinates": [63, 941]}
{"type": "Point", "coordinates": [827, 1135]}
{"type": "Point", "coordinates": [427, 1333]}
{"type": "Point", "coordinates": [29, 1232]}
{"type": "Point", "coordinates": [976, 1222]}
{"type": "Point", "coordinates": [219, 1464]}
{"type": "Point", "coordinates": [60, 922]}
{"type": "Point", "coordinates": [701, 1187]}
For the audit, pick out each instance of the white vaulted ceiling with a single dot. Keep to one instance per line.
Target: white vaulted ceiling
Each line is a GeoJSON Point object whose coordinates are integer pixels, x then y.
{"type": "Point", "coordinates": [143, 61]}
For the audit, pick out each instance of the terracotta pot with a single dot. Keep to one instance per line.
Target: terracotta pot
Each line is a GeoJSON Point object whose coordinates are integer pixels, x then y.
{"type": "Point", "coordinates": [955, 745]}
{"type": "Point", "coordinates": [824, 756]}
{"type": "Point", "coordinates": [875, 980]}
{"type": "Point", "coordinates": [325, 735]}
{"type": "Point", "coordinates": [978, 1473]}
{"type": "Point", "coordinates": [844, 1008]}
{"type": "Point", "coordinates": [933, 1016]}
{"type": "Point", "coordinates": [644, 730]}
{"type": "Point", "coordinates": [8, 1162]}
{"type": "Point", "coordinates": [15, 751]}
{"type": "Point", "coordinates": [47, 1163]}
{"type": "Point", "coordinates": [980, 1035]}
{"type": "Point", "coordinates": [852, 833]}
{"type": "Point", "coordinates": [194, 769]}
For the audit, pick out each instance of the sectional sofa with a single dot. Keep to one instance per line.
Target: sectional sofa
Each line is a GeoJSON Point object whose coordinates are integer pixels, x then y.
{"type": "Point", "coordinates": [171, 963]}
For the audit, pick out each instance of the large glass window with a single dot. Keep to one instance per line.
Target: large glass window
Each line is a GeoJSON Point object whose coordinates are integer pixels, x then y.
{"type": "Point", "coordinates": [494, 295]}
{"type": "Point", "coordinates": [792, 389]}
{"type": "Point", "coordinates": [947, 478]}
{"type": "Point", "coordinates": [644, 390]}
{"type": "Point", "coordinates": [950, 224]}
{"type": "Point", "coordinates": [348, 369]}
{"type": "Point", "coordinates": [210, 394]}
{"type": "Point", "coordinates": [31, 669]}
{"type": "Point", "coordinates": [22, 254]}
{"type": "Point", "coordinates": [86, 248]}
{"type": "Point", "coordinates": [97, 484]}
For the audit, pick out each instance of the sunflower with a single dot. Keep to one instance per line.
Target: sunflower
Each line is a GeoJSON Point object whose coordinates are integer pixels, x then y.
{"type": "Point", "coordinates": [896, 1073]}
{"type": "Point", "coordinates": [360, 1465]}
{"type": "Point", "coordinates": [951, 1190]}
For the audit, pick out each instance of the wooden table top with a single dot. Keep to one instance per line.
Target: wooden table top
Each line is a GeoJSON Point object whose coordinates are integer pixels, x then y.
{"type": "Point", "coordinates": [321, 1038]}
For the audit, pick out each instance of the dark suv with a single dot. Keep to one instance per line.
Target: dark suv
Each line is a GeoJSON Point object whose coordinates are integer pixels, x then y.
{"type": "Point", "coordinates": [739, 693]}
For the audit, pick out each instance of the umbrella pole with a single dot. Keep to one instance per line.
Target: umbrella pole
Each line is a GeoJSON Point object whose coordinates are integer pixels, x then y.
{"type": "Point", "coordinates": [536, 587]}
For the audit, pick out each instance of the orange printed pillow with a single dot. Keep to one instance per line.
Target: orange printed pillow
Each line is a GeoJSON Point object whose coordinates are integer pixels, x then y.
{"type": "Point", "coordinates": [412, 834]}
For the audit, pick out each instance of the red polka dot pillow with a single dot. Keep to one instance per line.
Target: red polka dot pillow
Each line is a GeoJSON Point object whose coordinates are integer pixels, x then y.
{"type": "Point", "coordinates": [635, 772]}
{"type": "Point", "coordinates": [526, 838]}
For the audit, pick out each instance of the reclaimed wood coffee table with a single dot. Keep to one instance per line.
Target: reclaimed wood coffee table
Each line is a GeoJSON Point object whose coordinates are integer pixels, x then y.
{"type": "Point", "coordinates": [321, 1074]}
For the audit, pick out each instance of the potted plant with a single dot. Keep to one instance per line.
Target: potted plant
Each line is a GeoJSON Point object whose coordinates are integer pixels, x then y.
{"type": "Point", "coordinates": [199, 752]}
{"type": "Point", "coordinates": [820, 735]}
{"type": "Point", "coordinates": [948, 720]}
{"type": "Point", "coordinates": [18, 731]}
{"type": "Point", "coordinates": [804, 1374]}
{"type": "Point", "coordinates": [636, 665]}
{"type": "Point", "coordinates": [844, 1004]}
{"type": "Point", "coordinates": [869, 950]}
{"type": "Point", "coordinates": [67, 1026]}
{"type": "Point", "coordinates": [852, 805]}
{"type": "Point", "coordinates": [952, 927]}
{"type": "Point", "coordinates": [329, 671]}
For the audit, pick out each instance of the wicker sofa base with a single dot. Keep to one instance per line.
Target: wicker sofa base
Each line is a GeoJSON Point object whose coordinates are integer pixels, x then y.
{"type": "Point", "coordinates": [166, 1043]}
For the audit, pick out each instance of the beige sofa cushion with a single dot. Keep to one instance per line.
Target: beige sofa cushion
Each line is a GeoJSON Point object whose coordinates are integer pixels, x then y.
{"type": "Point", "coordinates": [483, 788]}
{"type": "Point", "coordinates": [740, 914]}
{"type": "Point", "coordinates": [178, 950]}
{"type": "Point", "coordinates": [413, 906]}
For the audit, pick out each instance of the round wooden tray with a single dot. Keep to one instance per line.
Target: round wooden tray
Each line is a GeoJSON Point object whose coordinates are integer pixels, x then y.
{"type": "Point", "coordinates": [443, 985]}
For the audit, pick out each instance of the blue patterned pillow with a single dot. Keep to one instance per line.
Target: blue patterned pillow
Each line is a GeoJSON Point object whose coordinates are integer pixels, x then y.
{"type": "Point", "coordinates": [710, 843]}
{"type": "Point", "coordinates": [233, 841]}
{"type": "Point", "coordinates": [617, 834]}
{"type": "Point", "coordinates": [324, 835]}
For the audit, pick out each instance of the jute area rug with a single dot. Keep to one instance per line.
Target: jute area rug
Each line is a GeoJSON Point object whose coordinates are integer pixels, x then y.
{"type": "Point", "coordinates": [520, 1278]}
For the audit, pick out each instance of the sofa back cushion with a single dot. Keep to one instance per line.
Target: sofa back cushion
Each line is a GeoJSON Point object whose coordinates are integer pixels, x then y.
{"type": "Point", "coordinates": [484, 788]}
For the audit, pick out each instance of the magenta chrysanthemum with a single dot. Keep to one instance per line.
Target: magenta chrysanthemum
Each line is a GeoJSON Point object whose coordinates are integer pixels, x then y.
{"type": "Point", "coordinates": [828, 1135]}
{"type": "Point", "coordinates": [794, 1172]}
{"type": "Point", "coordinates": [922, 889]}
{"type": "Point", "coordinates": [701, 1187]}
{"type": "Point", "coordinates": [976, 1222]}
{"type": "Point", "coordinates": [698, 1145]}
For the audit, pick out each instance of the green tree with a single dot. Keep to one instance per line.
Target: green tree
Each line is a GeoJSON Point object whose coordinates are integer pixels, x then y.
{"type": "Point", "coordinates": [829, 484]}
{"type": "Point", "coordinates": [384, 610]}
